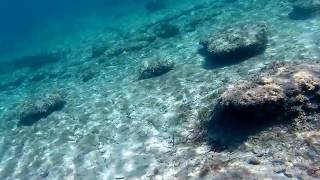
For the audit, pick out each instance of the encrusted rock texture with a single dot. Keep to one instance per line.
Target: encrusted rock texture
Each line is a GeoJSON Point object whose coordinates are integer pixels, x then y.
{"type": "Point", "coordinates": [37, 108]}
{"type": "Point", "coordinates": [154, 67]}
{"type": "Point", "coordinates": [239, 41]}
{"type": "Point", "coordinates": [287, 90]}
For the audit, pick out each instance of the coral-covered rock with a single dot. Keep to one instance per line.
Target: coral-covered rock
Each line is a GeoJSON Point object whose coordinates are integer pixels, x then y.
{"type": "Point", "coordinates": [304, 9]}
{"type": "Point", "coordinates": [238, 42]}
{"type": "Point", "coordinates": [165, 30]}
{"type": "Point", "coordinates": [36, 108]}
{"type": "Point", "coordinates": [154, 67]}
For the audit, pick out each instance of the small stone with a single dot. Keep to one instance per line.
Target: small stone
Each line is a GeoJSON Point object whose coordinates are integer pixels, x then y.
{"type": "Point", "coordinates": [254, 161]}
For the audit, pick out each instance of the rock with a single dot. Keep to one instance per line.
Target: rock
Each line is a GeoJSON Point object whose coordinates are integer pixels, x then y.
{"type": "Point", "coordinates": [155, 5]}
{"type": "Point", "coordinates": [238, 42]}
{"type": "Point", "coordinates": [254, 161]}
{"type": "Point", "coordinates": [304, 9]}
{"type": "Point", "coordinates": [36, 108]}
{"type": "Point", "coordinates": [165, 30]}
{"type": "Point", "coordinates": [281, 92]}
{"type": "Point", "coordinates": [153, 68]}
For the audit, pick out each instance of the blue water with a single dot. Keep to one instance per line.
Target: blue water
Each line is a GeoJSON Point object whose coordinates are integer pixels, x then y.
{"type": "Point", "coordinates": [22, 20]}
{"type": "Point", "coordinates": [159, 89]}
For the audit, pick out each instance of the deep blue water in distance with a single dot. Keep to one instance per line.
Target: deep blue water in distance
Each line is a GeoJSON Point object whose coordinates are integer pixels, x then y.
{"type": "Point", "coordinates": [20, 18]}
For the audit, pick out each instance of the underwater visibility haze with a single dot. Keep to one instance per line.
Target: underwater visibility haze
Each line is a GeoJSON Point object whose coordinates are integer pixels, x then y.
{"type": "Point", "coordinates": [160, 89]}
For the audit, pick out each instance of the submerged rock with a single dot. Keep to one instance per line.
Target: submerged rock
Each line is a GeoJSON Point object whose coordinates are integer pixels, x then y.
{"type": "Point", "coordinates": [279, 94]}
{"type": "Point", "coordinates": [35, 109]}
{"type": "Point", "coordinates": [165, 30]}
{"type": "Point", "coordinates": [153, 68]}
{"type": "Point", "coordinates": [238, 42]}
{"type": "Point", "coordinates": [282, 95]}
{"type": "Point", "coordinates": [304, 9]}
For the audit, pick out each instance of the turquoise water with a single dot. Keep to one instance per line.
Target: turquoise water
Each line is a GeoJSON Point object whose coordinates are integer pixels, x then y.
{"type": "Point", "coordinates": [159, 89]}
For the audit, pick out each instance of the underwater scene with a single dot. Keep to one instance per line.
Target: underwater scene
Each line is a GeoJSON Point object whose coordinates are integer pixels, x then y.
{"type": "Point", "coordinates": [160, 89]}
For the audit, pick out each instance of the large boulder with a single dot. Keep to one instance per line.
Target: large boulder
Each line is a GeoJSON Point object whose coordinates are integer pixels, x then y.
{"type": "Point", "coordinates": [154, 67]}
{"type": "Point", "coordinates": [237, 42]}
{"type": "Point", "coordinates": [37, 108]}
{"type": "Point", "coordinates": [281, 93]}
{"type": "Point", "coordinates": [304, 9]}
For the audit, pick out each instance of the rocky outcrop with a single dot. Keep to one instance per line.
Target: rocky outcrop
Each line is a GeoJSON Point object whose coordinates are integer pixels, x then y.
{"type": "Point", "coordinates": [287, 91]}
{"type": "Point", "coordinates": [152, 68]}
{"type": "Point", "coordinates": [237, 42]}
{"type": "Point", "coordinates": [36, 108]}
{"type": "Point", "coordinates": [304, 9]}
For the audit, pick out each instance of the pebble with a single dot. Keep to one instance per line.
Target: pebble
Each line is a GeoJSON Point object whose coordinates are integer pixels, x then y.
{"type": "Point", "coordinates": [254, 161]}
